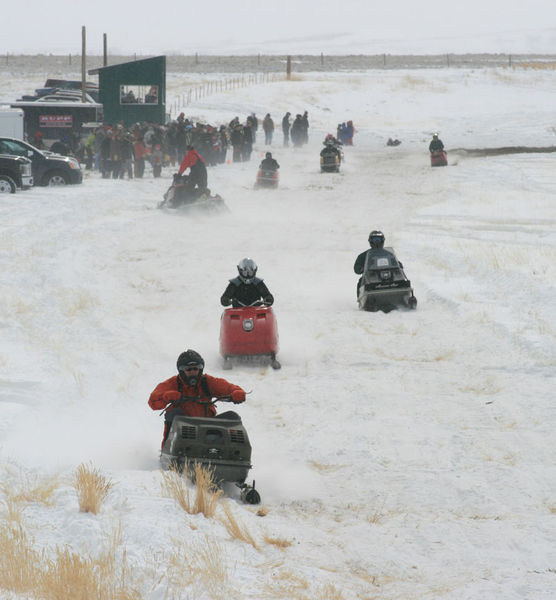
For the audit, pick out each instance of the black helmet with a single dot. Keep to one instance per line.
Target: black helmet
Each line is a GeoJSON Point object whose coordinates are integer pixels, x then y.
{"type": "Point", "coordinates": [376, 239]}
{"type": "Point", "coordinates": [247, 269]}
{"type": "Point", "coordinates": [190, 358]}
{"type": "Point", "coordinates": [268, 155]}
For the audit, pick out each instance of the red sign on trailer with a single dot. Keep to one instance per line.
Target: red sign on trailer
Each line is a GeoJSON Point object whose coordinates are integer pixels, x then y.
{"type": "Point", "coordinates": [55, 120]}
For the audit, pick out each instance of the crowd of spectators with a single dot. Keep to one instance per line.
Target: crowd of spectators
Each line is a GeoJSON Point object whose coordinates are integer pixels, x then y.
{"type": "Point", "coordinates": [119, 152]}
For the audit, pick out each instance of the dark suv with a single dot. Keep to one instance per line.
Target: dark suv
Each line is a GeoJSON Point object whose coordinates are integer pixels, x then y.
{"type": "Point", "coordinates": [48, 168]}
{"type": "Point", "coordinates": [15, 172]}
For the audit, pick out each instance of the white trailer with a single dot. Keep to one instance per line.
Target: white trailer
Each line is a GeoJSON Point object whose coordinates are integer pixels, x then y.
{"type": "Point", "coordinates": [11, 122]}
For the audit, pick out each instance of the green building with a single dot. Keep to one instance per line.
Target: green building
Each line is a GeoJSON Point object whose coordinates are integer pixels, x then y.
{"type": "Point", "coordinates": [133, 92]}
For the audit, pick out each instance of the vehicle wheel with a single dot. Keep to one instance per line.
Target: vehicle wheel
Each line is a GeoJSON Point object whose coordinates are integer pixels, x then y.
{"type": "Point", "coordinates": [54, 178]}
{"type": "Point", "coordinates": [250, 495]}
{"type": "Point", "coordinates": [7, 185]}
{"type": "Point", "coordinates": [412, 302]}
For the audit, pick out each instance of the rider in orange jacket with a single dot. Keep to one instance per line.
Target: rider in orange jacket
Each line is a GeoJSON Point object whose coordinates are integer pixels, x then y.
{"type": "Point", "coordinates": [191, 382]}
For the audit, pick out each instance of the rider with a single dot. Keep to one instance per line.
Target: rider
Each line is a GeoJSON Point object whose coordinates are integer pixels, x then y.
{"type": "Point", "coordinates": [197, 170]}
{"type": "Point", "coordinates": [246, 289]}
{"type": "Point", "coordinates": [331, 144]}
{"type": "Point", "coordinates": [376, 241]}
{"type": "Point", "coordinates": [436, 144]}
{"type": "Point", "coordinates": [268, 163]}
{"type": "Point", "coordinates": [190, 382]}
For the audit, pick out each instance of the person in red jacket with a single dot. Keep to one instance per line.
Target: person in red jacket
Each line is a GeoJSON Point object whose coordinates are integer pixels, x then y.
{"type": "Point", "coordinates": [193, 383]}
{"type": "Point", "coordinates": [197, 170]}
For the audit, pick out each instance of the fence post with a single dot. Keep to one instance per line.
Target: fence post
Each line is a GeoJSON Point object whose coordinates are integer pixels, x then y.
{"type": "Point", "coordinates": [289, 68]}
{"type": "Point", "coordinates": [384, 59]}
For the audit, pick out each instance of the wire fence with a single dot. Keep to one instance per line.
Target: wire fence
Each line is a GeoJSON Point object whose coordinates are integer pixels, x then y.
{"type": "Point", "coordinates": [260, 63]}
{"type": "Point", "coordinates": [209, 88]}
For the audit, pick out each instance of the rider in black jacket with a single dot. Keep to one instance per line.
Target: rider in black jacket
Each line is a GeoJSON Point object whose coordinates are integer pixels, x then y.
{"type": "Point", "coordinates": [269, 163]}
{"type": "Point", "coordinates": [436, 144]}
{"type": "Point", "coordinates": [246, 289]}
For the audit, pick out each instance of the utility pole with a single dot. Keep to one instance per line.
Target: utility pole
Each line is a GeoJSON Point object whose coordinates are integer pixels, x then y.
{"type": "Point", "coordinates": [83, 63]}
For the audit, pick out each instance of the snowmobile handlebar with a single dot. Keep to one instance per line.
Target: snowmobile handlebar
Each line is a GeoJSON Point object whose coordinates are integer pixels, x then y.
{"type": "Point", "coordinates": [197, 400]}
{"type": "Point", "coordinates": [255, 303]}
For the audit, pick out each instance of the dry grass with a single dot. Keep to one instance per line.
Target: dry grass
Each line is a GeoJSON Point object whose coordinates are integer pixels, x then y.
{"type": "Point", "coordinates": [31, 489]}
{"type": "Point", "coordinates": [92, 488]}
{"type": "Point", "coordinates": [538, 66]}
{"type": "Point", "coordinates": [377, 515]}
{"type": "Point", "coordinates": [70, 575]}
{"type": "Point", "coordinates": [25, 490]}
{"type": "Point", "coordinates": [278, 542]}
{"type": "Point", "coordinates": [202, 568]}
{"type": "Point", "coordinates": [106, 576]}
{"type": "Point", "coordinates": [18, 559]}
{"type": "Point", "coordinates": [207, 494]}
{"type": "Point", "coordinates": [286, 584]}
{"type": "Point", "coordinates": [14, 511]}
{"type": "Point", "coordinates": [27, 571]}
{"type": "Point", "coordinates": [416, 82]}
{"type": "Point", "coordinates": [482, 387]}
{"type": "Point", "coordinates": [236, 530]}
{"type": "Point", "coordinates": [76, 302]}
{"type": "Point", "coordinates": [322, 468]}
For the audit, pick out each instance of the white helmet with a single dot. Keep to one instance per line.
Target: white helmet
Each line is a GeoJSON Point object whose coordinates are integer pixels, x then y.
{"type": "Point", "coordinates": [247, 269]}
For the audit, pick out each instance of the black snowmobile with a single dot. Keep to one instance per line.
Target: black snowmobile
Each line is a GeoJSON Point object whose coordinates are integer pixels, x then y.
{"type": "Point", "coordinates": [219, 443]}
{"type": "Point", "coordinates": [384, 285]}
{"type": "Point", "coordinates": [181, 195]}
{"type": "Point", "coordinates": [330, 159]}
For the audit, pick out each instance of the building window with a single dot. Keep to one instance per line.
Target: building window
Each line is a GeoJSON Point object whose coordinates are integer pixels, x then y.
{"type": "Point", "coordinates": [138, 94]}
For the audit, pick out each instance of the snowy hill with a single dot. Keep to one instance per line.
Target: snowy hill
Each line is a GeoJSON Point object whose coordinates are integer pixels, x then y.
{"type": "Point", "coordinates": [404, 455]}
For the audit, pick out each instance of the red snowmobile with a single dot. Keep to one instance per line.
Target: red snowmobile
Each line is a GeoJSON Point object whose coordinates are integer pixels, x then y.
{"type": "Point", "coordinates": [267, 178]}
{"type": "Point", "coordinates": [249, 334]}
{"type": "Point", "coordinates": [439, 158]}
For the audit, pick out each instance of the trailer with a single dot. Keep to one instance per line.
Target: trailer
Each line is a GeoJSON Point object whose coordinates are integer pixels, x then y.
{"type": "Point", "coordinates": [11, 122]}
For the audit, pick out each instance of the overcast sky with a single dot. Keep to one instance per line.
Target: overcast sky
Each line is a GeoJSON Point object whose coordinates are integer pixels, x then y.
{"type": "Point", "coordinates": [286, 26]}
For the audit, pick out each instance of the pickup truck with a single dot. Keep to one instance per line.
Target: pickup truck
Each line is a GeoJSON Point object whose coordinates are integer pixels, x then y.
{"type": "Point", "coordinates": [15, 172]}
{"type": "Point", "coordinates": [48, 168]}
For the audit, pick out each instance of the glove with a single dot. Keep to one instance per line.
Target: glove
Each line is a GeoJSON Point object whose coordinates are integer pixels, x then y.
{"type": "Point", "coordinates": [238, 396]}
{"type": "Point", "coordinates": [171, 396]}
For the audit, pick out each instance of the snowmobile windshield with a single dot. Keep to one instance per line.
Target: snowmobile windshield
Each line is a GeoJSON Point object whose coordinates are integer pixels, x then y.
{"type": "Point", "coordinates": [380, 259]}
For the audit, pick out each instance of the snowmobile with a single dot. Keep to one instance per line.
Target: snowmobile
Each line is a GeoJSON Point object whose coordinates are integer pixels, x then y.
{"type": "Point", "coordinates": [267, 178]}
{"type": "Point", "coordinates": [330, 160]}
{"type": "Point", "coordinates": [179, 195]}
{"type": "Point", "coordinates": [439, 158]}
{"type": "Point", "coordinates": [249, 334]}
{"type": "Point", "coordinates": [384, 285]}
{"type": "Point", "coordinates": [219, 443]}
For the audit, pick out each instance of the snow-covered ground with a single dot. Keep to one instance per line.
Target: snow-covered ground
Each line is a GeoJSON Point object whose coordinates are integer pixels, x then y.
{"type": "Point", "coordinates": [408, 455]}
